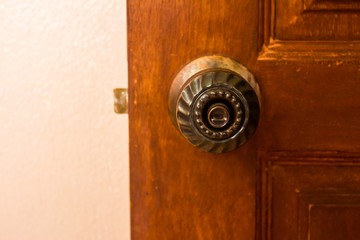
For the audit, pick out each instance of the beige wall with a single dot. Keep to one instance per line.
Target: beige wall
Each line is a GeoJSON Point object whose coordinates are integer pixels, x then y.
{"type": "Point", "coordinates": [63, 152]}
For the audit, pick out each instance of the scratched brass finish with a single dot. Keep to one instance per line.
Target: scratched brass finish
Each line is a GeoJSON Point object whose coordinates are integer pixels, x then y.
{"type": "Point", "coordinates": [120, 100]}
{"type": "Point", "coordinates": [214, 102]}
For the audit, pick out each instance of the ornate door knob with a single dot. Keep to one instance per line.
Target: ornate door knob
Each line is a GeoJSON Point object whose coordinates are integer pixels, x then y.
{"type": "Point", "coordinates": [215, 102]}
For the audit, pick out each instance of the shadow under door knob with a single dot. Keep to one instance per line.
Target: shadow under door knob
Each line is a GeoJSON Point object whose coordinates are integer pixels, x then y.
{"type": "Point", "coordinates": [214, 101]}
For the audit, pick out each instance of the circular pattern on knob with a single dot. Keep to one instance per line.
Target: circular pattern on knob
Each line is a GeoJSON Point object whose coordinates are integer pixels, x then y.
{"type": "Point", "coordinates": [215, 103]}
{"type": "Point", "coordinates": [218, 98]}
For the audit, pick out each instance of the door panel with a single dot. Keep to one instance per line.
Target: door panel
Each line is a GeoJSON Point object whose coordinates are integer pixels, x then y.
{"type": "Point", "coordinates": [301, 166]}
{"type": "Point", "coordinates": [309, 105]}
{"type": "Point", "coordinates": [178, 191]}
{"type": "Point", "coordinates": [309, 69]}
{"type": "Point", "coordinates": [310, 195]}
{"type": "Point", "coordinates": [316, 19]}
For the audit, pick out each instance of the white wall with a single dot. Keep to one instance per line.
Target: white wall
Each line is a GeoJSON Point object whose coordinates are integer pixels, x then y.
{"type": "Point", "coordinates": [63, 151]}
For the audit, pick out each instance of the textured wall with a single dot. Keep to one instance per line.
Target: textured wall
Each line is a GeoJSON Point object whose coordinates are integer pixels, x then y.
{"type": "Point", "coordinates": [63, 152]}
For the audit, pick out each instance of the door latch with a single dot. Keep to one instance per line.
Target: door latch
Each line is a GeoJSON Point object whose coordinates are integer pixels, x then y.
{"type": "Point", "coordinates": [121, 100]}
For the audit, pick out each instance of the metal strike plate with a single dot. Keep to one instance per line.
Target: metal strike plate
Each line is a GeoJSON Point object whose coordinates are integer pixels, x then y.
{"type": "Point", "coordinates": [120, 100]}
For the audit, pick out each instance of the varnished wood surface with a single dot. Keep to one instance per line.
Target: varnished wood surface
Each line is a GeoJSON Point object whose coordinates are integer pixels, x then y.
{"type": "Point", "coordinates": [310, 103]}
{"type": "Point", "coordinates": [177, 191]}
{"type": "Point", "coordinates": [310, 196]}
{"type": "Point", "coordinates": [316, 19]}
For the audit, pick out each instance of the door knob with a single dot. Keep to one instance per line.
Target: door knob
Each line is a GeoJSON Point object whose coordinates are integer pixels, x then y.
{"type": "Point", "coordinates": [215, 102]}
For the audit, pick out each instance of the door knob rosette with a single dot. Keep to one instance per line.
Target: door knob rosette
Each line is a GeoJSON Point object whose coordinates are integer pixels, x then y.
{"type": "Point", "coordinates": [215, 103]}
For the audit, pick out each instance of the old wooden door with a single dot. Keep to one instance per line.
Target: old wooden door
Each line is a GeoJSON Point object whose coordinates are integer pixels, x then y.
{"type": "Point", "coordinates": [299, 176]}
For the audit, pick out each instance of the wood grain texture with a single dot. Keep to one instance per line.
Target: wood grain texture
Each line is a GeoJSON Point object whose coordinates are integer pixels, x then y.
{"type": "Point", "coordinates": [310, 105]}
{"type": "Point", "coordinates": [309, 85]}
{"type": "Point", "coordinates": [309, 88]}
{"type": "Point", "coordinates": [309, 195]}
{"type": "Point", "coordinates": [316, 20]}
{"type": "Point", "coordinates": [331, 5]}
{"type": "Point", "coordinates": [303, 41]}
{"type": "Point", "coordinates": [178, 191]}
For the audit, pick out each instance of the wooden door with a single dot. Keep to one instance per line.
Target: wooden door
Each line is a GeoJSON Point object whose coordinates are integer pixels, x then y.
{"type": "Point", "coordinates": [299, 176]}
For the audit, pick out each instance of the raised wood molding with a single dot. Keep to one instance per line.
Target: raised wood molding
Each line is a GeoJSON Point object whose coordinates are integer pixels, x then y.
{"type": "Point", "coordinates": [311, 202]}
{"type": "Point", "coordinates": [316, 51]}
{"type": "Point", "coordinates": [302, 191]}
{"type": "Point", "coordinates": [302, 30]}
{"type": "Point", "coordinates": [331, 5]}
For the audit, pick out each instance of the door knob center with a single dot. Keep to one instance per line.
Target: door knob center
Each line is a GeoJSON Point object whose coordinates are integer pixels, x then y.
{"type": "Point", "coordinates": [218, 115]}
{"type": "Point", "coordinates": [218, 112]}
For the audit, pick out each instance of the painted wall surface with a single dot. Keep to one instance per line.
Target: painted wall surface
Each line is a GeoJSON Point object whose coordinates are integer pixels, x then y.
{"type": "Point", "coordinates": [63, 151]}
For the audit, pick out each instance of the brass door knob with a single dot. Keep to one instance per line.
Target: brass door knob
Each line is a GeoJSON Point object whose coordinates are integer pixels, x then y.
{"type": "Point", "coordinates": [215, 102]}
